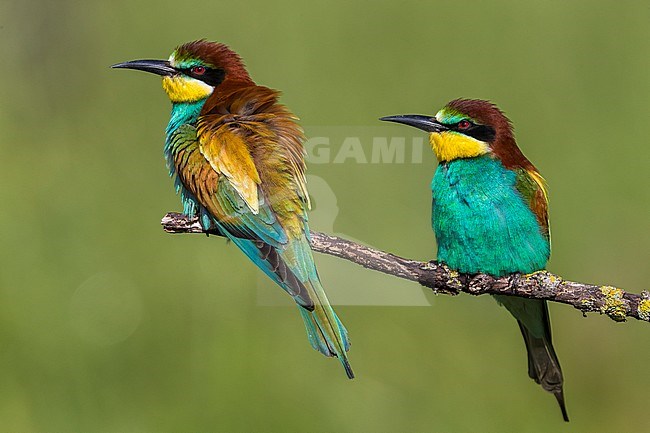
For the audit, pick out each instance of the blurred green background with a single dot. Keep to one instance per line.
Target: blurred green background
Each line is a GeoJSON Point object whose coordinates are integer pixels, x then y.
{"type": "Point", "coordinates": [109, 325]}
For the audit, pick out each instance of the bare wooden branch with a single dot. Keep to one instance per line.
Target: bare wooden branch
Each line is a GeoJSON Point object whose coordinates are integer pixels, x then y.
{"type": "Point", "coordinates": [614, 302]}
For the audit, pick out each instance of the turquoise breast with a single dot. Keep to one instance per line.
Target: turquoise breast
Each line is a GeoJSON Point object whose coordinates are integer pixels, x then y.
{"type": "Point", "coordinates": [179, 132]}
{"type": "Point", "coordinates": [481, 222]}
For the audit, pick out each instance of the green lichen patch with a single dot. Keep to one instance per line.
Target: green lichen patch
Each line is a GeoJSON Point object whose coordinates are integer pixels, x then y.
{"type": "Point", "coordinates": [614, 305]}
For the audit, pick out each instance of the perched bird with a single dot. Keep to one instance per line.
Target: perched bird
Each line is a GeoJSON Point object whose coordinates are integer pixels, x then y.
{"type": "Point", "coordinates": [237, 158]}
{"type": "Point", "coordinates": [490, 215]}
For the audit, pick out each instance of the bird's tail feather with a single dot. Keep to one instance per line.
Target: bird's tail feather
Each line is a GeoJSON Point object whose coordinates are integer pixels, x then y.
{"type": "Point", "coordinates": [325, 331]}
{"type": "Point", "coordinates": [544, 367]}
{"type": "Point", "coordinates": [323, 324]}
{"type": "Point", "coordinates": [327, 339]}
{"type": "Point", "coordinates": [535, 325]}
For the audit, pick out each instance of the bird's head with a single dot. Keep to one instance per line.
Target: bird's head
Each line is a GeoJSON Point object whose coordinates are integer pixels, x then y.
{"type": "Point", "coordinates": [194, 70]}
{"type": "Point", "coordinates": [466, 128]}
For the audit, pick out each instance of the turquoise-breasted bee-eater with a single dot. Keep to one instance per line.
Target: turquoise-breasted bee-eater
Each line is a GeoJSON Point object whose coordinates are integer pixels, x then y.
{"type": "Point", "coordinates": [490, 215]}
{"type": "Point", "coordinates": [237, 158]}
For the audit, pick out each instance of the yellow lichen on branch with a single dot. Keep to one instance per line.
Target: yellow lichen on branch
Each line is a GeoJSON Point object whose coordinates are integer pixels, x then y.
{"type": "Point", "coordinates": [614, 305]}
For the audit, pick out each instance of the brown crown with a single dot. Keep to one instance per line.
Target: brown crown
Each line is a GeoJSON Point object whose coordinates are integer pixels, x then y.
{"type": "Point", "coordinates": [215, 54]}
{"type": "Point", "coordinates": [504, 144]}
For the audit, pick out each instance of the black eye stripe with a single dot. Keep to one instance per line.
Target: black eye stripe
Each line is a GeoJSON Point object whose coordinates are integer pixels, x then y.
{"type": "Point", "coordinates": [483, 133]}
{"type": "Point", "coordinates": [212, 76]}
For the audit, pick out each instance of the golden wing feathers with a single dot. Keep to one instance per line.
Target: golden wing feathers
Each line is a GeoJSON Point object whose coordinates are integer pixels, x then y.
{"type": "Point", "coordinates": [228, 154]}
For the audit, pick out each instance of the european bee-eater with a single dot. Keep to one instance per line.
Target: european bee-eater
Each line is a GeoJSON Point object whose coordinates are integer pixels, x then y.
{"type": "Point", "coordinates": [490, 215]}
{"type": "Point", "coordinates": [237, 158]}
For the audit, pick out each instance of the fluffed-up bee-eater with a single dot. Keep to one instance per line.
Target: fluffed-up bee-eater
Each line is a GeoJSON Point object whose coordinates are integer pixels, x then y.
{"type": "Point", "coordinates": [237, 158]}
{"type": "Point", "coordinates": [490, 215]}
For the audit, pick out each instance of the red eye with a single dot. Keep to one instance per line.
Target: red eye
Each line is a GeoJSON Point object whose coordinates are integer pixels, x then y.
{"type": "Point", "coordinates": [198, 70]}
{"type": "Point", "coordinates": [464, 124]}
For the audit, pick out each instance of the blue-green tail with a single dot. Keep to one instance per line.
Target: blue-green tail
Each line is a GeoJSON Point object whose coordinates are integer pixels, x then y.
{"type": "Point", "coordinates": [329, 339]}
{"type": "Point", "coordinates": [535, 325]}
{"type": "Point", "coordinates": [325, 331]}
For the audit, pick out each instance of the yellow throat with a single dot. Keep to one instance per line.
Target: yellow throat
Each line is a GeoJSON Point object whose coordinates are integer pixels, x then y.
{"type": "Point", "coordinates": [450, 145]}
{"type": "Point", "coordinates": [185, 89]}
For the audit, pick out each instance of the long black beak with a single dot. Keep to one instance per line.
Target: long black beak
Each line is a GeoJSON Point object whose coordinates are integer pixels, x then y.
{"type": "Point", "coordinates": [159, 67]}
{"type": "Point", "coordinates": [425, 123]}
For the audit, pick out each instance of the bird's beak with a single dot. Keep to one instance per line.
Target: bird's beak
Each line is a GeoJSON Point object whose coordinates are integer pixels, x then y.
{"type": "Point", "coordinates": [425, 123]}
{"type": "Point", "coordinates": [159, 67]}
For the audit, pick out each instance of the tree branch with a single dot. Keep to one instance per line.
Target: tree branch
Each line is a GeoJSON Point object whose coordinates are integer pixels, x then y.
{"type": "Point", "coordinates": [614, 302]}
